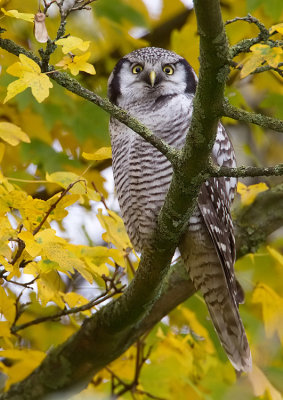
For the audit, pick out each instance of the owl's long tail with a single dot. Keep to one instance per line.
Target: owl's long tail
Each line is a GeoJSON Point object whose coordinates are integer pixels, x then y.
{"type": "Point", "coordinates": [207, 274]}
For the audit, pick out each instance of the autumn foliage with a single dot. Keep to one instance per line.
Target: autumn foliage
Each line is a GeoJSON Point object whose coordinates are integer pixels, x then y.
{"type": "Point", "coordinates": [56, 269]}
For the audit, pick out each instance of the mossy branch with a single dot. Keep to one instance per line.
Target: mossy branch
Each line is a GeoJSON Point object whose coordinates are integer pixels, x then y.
{"type": "Point", "coordinates": [71, 84]}
{"type": "Point", "coordinates": [152, 293]}
{"type": "Point", "coordinates": [258, 119]}
{"type": "Point", "coordinates": [245, 171]}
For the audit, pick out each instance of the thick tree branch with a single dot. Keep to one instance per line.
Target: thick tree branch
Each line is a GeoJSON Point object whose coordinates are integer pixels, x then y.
{"type": "Point", "coordinates": [243, 171]}
{"type": "Point", "coordinates": [152, 293]}
{"type": "Point", "coordinates": [258, 119]}
{"type": "Point", "coordinates": [254, 223]}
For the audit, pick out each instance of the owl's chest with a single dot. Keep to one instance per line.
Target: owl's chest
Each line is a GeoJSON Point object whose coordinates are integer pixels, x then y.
{"type": "Point", "coordinates": [168, 117]}
{"type": "Point", "coordinates": [142, 174]}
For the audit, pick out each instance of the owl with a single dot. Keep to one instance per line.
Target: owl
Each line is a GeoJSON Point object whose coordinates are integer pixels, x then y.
{"type": "Point", "coordinates": [157, 87]}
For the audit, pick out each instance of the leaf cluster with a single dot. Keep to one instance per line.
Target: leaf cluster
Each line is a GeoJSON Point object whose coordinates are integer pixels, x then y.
{"type": "Point", "coordinates": [54, 150]}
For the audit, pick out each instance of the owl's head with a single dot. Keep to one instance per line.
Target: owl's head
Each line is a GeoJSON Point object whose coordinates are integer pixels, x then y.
{"type": "Point", "coordinates": [150, 72]}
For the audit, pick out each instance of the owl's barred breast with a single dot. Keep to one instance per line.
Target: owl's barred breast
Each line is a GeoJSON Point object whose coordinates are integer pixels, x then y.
{"type": "Point", "coordinates": [144, 173]}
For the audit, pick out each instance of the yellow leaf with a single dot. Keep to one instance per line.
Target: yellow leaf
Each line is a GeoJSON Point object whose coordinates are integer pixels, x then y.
{"type": "Point", "coordinates": [272, 309]}
{"type": "Point", "coordinates": [7, 306]}
{"type": "Point", "coordinates": [71, 43]}
{"type": "Point", "coordinates": [58, 255]}
{"type": "Point", "coordinates": [119, 257]}
{"type": "Point", "coordinates": [250, 64]}
{"type": "Point", "coordinates": [15, 88]}
{"type": "Point", "coordinates": [24, 362]}
{"type": "Point", "coordinates": [50, 288]}
{"type": "Point", "coordinates": [259, 54]}
{"type": "Point", "coordinates": [115, 230]}
{"type": "Point", "coordinates": [95, 258]}
{"type": "Point", "coordinates": [5, 333]}
{"type": "Point", "coordinates": [12, 134]}
{"type": "Point", "coordinates": [59, 212]}
{"type": "Point", "coordinates": [275, 254]}
{"type": "Point", "coordinates": [2, 151]}
{"type": "Point", "coordinates": [93, 195]}
{"type": "Point", "coordinates": [185, 41]}
{"type": "Point", "coordinates": [198, 329]}
{"type": "Point", "coordinates": [76, 300]}
{"type": "Point", "coordinates": [29, 75]}
{"type": "Point", "coordinates": [274, 56]}
{"type": "Point", "coordinates": [278, 28]}
{"type": "Point", "coordinates": [101, 154]}
{"type": "Point", "coordinates": [64, 179]}
{"type": "Point", "coordinates": [97, 270]}
{"type": "Point", "coordinates": [16, 14]}
{"type": "Point", "coordinates": [261, 384]}
{"type": "Point", "coordinates": [249, 193]}
{"type": "Point", "coordinates": [77, 64]}
{"type": "Point", "coordinates": [32, 247]}
{"type": "Point", "coordinates": [47, 236]}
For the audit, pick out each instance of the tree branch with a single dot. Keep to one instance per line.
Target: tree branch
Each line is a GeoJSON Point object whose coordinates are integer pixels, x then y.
{"type": "Point", "coordinates": [263, 68]}
{"type": "Point", "coordinates": [98, 300]}
{"type": "Point", "coordinates": [258, 119]}
{"type": "Point", "coordinates": [254, 223]}
{"type": "Point", "coordinates": [152, 293]}
{"type": "Point", "coordinates": [243, 171]}
{"type": "Point", "coordinates": [244, 45]}
{"type": "Point", "coordinates": [74, 86]}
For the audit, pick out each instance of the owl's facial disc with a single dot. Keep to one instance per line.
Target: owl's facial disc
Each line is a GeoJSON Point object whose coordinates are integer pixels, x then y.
{"type": "Point", "coordinates": [149, 73]}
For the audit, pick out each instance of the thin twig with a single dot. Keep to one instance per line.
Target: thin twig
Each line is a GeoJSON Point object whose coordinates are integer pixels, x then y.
{"type": "Point", "coordinates": [83, 6]}
{"type": "Point", "coordinates": [127, 257]}
{"type": "Point", "coordinates": [251, 20]}
{"type": "Point", "coordinates": [241, 115]}
{"type": "Point", "coordinates": [263, 68]}
{"type": "Point", "coordinates": [98, 300]}
{"type": "Point", "coordinates": [47, 5]}
{"type": "Point", "coordinates": [21, 247]}
{"type": "Point", "coordinates": [103, 201]}
{"type": "Point", "coordinates": [24, 285]}
{"type": "Point", "coordinates": [53, 206]}
{"type": "Point", "coordinates": [244, 45]}
{"type": "Point", "coordinates": [132, 387]}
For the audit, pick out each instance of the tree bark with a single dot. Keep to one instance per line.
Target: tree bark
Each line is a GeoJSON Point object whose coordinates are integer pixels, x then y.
{"type": "Point", "coordinates": [154, 291]}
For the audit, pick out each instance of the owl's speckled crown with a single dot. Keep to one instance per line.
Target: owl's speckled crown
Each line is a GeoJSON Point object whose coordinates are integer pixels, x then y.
{"type": "Point", "coordinates": [153, 54]}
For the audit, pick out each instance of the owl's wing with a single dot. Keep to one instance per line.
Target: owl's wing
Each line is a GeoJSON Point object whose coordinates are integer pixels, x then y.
{"type": "Point", "coordinates": [213, 205]}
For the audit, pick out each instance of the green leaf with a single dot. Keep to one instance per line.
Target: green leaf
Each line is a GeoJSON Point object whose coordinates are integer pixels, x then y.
{"type": "Point", "coordinates": [45, 156]}
{"type": "Point", "coordinates": [118, 10]}
{"type": "Point", "coordinates": [272, 8]}
{"type": "Point", "coordinates": [274, 101]}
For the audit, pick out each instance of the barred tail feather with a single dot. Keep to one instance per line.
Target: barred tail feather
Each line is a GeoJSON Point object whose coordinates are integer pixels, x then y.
{"type": "Point", "coordinates": [229, 327]}
{"type": "Point", "coordinates": [208, 276]}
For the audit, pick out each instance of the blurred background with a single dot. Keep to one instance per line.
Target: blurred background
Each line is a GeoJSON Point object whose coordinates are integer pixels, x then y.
{"type": "Point", "coordinates": [64, 126]}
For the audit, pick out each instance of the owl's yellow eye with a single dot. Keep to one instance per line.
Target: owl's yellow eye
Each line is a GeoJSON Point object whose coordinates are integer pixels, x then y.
{"type": "Point", "coordinates": [137, 69]}
{"type": "Point", "coordinates": [168, 70]}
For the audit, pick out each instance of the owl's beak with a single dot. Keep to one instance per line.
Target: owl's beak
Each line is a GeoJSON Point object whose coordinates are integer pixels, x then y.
{"type": "Point", "coordinates": [152, 77]}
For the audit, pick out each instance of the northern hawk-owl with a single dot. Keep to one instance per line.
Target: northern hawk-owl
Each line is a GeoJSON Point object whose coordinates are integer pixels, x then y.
{"type": "Point", "coordinates": [157, 87]}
